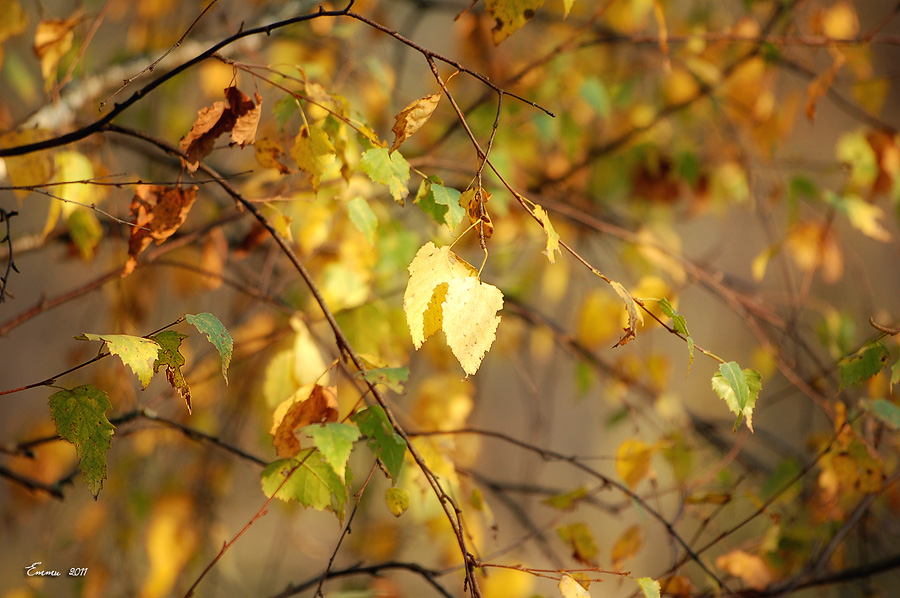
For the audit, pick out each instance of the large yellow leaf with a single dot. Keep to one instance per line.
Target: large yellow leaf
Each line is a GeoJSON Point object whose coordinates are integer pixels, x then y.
{"type": "Point", "coordinates": [471, 320]}
{"type": "Point", "coordinates": [510, 15]}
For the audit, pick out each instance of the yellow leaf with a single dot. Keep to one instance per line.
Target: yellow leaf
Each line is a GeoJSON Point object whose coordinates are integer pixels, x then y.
{"type": "Point", "coordinates": [811, 245]}
{"type": "Point", "coordinates": [634, 316]}
{"type": "Point", "coordinates": [313, 152]}
{"type": "Point", "coordinates": [633, 461]}
{"type": "Point", "coordinates": [431, 268]}
{"type": "Point", "coordinates": [628, 545]}
{"type": "Point", "coordinates": [552, 236]}
{"type": "Point", "coordinates": [507, 583]}
{"type": "Point", "coordinates": [510, 15]}
{"type": "Point", "coordinates": [34, 168]}
{"type": "Point", "coordinates": [52, 39]}
{"type": "Point", "coordinates": [268, 151]}
{"type": "Point", "coordinates": [569, 588]}
{"type": "Point", "coordinates": [567, 7]}
{"type": "Point", "coordinates": [748, 567]}
{"type": "Point", "coordinates": [599, 318]}
{"type": "Point", "coordinates": [444, 402]}
{"type": "Point", "coordinates": [471, 320]}
{"type": "Point", "coordinates": [397, 500]}
{"type": "Point", "coordinates": [840, 21]}
{"type": "Point", "coordinates": [866, 218]}
{"type": "Point", "coordinates": [172, 538]}
{"type": "Point", "coordinates": [412, 118]}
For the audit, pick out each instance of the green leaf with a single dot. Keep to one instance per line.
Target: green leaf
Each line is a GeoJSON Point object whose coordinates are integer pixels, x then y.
{"type": "Point", "coordinates": [594, 93]}
{"type": "Point", "coordinates": [210, 325]}
{"type": "Point", "coordinates": [335, 442]}
{"type": "Point", "coordinates": [313, 152]}
{"type": "Point", "coordinates": [397, 500]}
{"type": "Point", "coordinates": [883, 410]}
{"type": "Point", "coordinates": [863, 364]}
{"type": "Point", "coordinates": [393, 378]}
{"type": "Point", "coordinates": [895, 373]}
{"type": "Point", "coordinates": [284, 109]}
{"type": "Point", "coordinates": [80, 416]}
{"type": "Point", "coordinates": [440, 202]}
{"type": "Point", "coordinates": [649, 586]}
{"type": "Point", "coordinates": [362, 216]}
{"type": "Point", "coordinates": [739, 389]}
{"type": "Point", "coordinates": [389, 169]}
{"type": "Point", "coordinates": [680, 326]}
{"type": "Point", "coordinates": [135, 352]}
{"type": "Point", "coordinates": [170, 357]}
{"type": "Point", "coordinates": [386, 444]}
{"type": "Point", "coordinates": [314, 483]}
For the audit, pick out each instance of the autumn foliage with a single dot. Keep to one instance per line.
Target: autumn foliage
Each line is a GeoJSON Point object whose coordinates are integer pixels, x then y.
{"type": "Point", "coordinates": [612, 314]}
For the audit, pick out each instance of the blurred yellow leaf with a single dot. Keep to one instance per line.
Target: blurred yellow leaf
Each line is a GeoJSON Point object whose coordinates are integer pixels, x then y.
{"type": "Point", "coordinates": [510, 15]}
{"type": "Point", "coordinates": [444, 402]}
{"type": "Point", "coordinates": [865, 217]}
{"type": "Point", "coordinates": [633, 461]}
{"type": "Point", "coordinates": [749, 568]}
{"type": "Point", "coordinates": [627, 546]}
{"type": "Point", "coordinates": [507, 583]}
{"type": "Point", "coordinates": [812, 246]}
{"type": "Point", "coordinates": [171, 540]}
{"type": "Point", "coordinates": [34, 168]}
{"type": "Point", "coordinates": [580, 539]}
{"type": "Point", "coordinates": [569, 588]}
{"type": "Point", "coordinates": [552, 237]}
{"type": "Point", "coordinates": [52, 39]}
{"type": "Point", "coordinates": [840, 21]}
{"type": "Point", "coordinates": [599, 318]}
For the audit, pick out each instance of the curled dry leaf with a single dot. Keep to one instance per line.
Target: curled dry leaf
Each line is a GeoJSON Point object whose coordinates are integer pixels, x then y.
{"type": "Point", "coordinates": [473, 201]}
{"type": "Point", "coordinates": [319, 407]}
{"type": "Point", "coordinates": [157, 213]}
{"type": "Point", "coordinates": [412, 118]}
{"type": "Point", "coordinates": [240, 116]}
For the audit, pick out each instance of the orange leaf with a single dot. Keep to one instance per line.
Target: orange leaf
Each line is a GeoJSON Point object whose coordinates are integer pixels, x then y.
{"type": "Point", "coordinates": [158, 211]}
{"type": "Point", "coordinates": [240, 117]}
{"type": "Point", "coordinates": [628, 545]}
{"type": "Point", "coordinates": [748, 567]}
{"type": "Point", "coordinates": [412, 118]}
{"type": "Point", "coordinates": [319, 407]}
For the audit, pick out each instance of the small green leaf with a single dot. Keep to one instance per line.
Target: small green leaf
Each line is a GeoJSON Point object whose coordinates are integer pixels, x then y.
{"type": "Point", "coordinates": [739, 389]}
{"type": "Point", "coordinates": [680, 326]}
{"type": "Point", "coordinates": [440, 202]}
{"type": "Point", "coordinates": [397, 500]}
{"type": "Point", "coordinates": [386, 444]}
{"type": "Point", "coordinates": [863, 364]}
{"type": "Point", "coordinates": [80, 416]}
{"type": "Point", "coordinates": [389, 169]}
{"type": "Point", "coordinates": [335, 442]}
{"type": "Point", "coordinates": [362, 216]}
{"type": "Point", "coordinates": [137, 353]}
{"type": "Point", "coordinates": [171, 359]}
{"type": "Point", "coordinates": [210, 325]}
{"type": "Point", "coordinates": [313, 484]}
{"type": "Point", "coordinates": [895, 373]}
{"type": "Point", "coordinates": [649, 586]}
{"type": "Point", "coordinates": [884, 410]}
{"type": "Point", "coordinates": [594, 93]}
{"type": "Point", "coordinates": [393, 378]}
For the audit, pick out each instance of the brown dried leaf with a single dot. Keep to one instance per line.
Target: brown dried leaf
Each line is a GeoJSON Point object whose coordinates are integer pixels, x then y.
{"type": "Point", "coordinates": [473, 201]}
{"type": "Point", "coordinates": [218, 119]}
{"type": "Point", "coordinates": [157, 213]}
{"type": "Point", "coordinates": [319, 408]}
{"type": "Point", "coordinates": [821, 84]}
{"type": "Point", "coordinates": [412, 118]}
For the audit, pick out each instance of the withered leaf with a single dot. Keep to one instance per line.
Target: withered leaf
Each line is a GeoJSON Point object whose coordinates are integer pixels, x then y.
{"type": "Point", "coordinates": [412, 118]}
{"type": "Point", "coordinates": [473, 201]}
{"type": "Point", "coordinates": [239, 116]}
{"type": "Point", "coordinates": [157, 212]}
{"type": "Point", "coordinates": [319, 408]}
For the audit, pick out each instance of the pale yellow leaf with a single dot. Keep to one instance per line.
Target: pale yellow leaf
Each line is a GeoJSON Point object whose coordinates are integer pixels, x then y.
{"type": "Point", "coordinates": [471, 320]}
{"type": "Point", "coordinates": [313, 152]}
{"type": "Point", "coordinates": [431, 268]}
{"type": "Point", "coordinates": [569, 588]}
{"type": "Point", "coordinates": [567, 7]}
{"type": "Point", "coordinates": [552, 237]}
{"type": "Point", "coordinates": [748, 567]}
{"type": "Point", "coordinates": [412, 118]}
{"type": "Point", "coordinates": [172, 537]}
{"type": "Point", "coordinates": [866, 218]}
{"type": "Point", "coordinates": [634, 315]}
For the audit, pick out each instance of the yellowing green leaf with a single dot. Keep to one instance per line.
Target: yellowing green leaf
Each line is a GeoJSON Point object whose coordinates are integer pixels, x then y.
{"type": "Point", "coordinates": [431, 268]}
{"type": "Point", "coordinates": [397, 500]}
{"type": "Point", "coordinates": [393, 378]}
{"type": "Point", "coordinates": [389, 169]}
{"type": "Point", "coordinates": [739, 389]}
{"type": "Point", "coordinates": [510, 15]}
{"type": "Point", "coordinates": [313, 152]}
{"type": "Point", "coordinates": [440, 202]}
{"type": "Point", "coordinates": [680, 326]}
{"type": "Point", "coordinates": [650, 587]}
{"type": "Point", "coordinates": [80, 416]}
{"type": "Point", "coordinates": [552, 236]}
{"type": "Point", "coordinates": [567, 501]}
{"type": "Point", "coordinates": [633, 459]}
{"type": "Point", "coordinates": [471, 320]}
{"type": "Point", "coordinates": [335, 442]}
{"type": "Point", "coordinates": [137, 353]}
{"type": "Point", "coordinates": [86, 231]}
{"type": "Point", "coordinates": [863, 364]}
{"type": "Point", "coordinates": [363, 218]}
{"type": "Point", "coordinates": [580, 540]}
{"type": "Point", "coordinates": [217, 334]}
{"type": "Point", "coordinates": [313, 484]}
{"type": "Point", "coordinates": [170, 358]}
{"type": "Point", "coordinates": [569, 588]}
{"type": "Point", "coordinates": [410, 119]}
{"type": "Point", "coordinates": [634, 315]}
